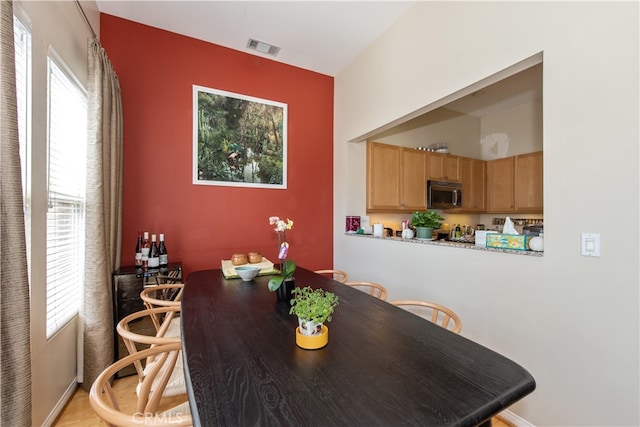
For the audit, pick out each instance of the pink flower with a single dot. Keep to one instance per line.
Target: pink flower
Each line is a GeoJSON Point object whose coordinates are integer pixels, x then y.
{"type": "Point", "coordinates": [281, 231]}
{"type": "Point", "coordinates": [273, 219]}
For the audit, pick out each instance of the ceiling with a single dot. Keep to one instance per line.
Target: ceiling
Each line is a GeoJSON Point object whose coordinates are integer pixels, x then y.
{"type": "Point", "coordinates": [322, 36]}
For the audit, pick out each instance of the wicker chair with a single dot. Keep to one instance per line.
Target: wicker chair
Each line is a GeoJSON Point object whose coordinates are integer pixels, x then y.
{"type": "Point", "coordinates": [435, 313]}
{"type": "Point", "coordinates": [371, 288]}
{"type": "Point", "coordinates": [150, 407]}
{"type": "Point", "coordinates": [338, 275]}
{"type": "Point", "coordinates": [169, 295]}
{"type": "Point", "coordinates": [166, 330]}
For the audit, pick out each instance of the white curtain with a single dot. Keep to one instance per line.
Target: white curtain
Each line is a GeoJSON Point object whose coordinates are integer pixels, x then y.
{"type": "Point", "coordinates": [104, 212]}
{"type": "Point", "coordinates": [15, 348]}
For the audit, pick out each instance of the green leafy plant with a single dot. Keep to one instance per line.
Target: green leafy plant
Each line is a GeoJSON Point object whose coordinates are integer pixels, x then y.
{"type": "Point", "coordinates": [288, 267]}
{"type": "Point", "coordinates": [430, 219]}
{"type": "Point", "coordinates": [313, 305]}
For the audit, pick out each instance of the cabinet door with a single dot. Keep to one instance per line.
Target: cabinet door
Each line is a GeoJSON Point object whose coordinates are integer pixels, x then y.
{"type": "Point", "coordinates": [383, 176]}
{"type": "Point", "coordinates": [414, 181]}
{"type": "Point", "coordinates": [528, 182]}
{"type": "Point", "coordinates": [500, 185]}
{"type": "Point", "coordinates": [472, 175]}
{"type": "Point", "coordinates": [451, 168]}
{"type": "Point", "coordinates": [443, 167]}
{"type": "Point", "coordinates": [435, 166]}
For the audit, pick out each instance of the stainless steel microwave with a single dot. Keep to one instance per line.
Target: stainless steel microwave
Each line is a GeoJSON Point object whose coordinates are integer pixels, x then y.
{"type": "Point", "coordinates": [444, 194]}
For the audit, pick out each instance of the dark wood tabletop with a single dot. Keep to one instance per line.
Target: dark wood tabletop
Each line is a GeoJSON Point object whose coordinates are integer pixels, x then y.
{"type": "Point", "coordinates": [382, 366]}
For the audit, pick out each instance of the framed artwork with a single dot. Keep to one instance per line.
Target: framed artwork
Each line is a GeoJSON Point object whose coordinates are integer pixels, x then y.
{"type": "Point", "coordinates": [238, 140]}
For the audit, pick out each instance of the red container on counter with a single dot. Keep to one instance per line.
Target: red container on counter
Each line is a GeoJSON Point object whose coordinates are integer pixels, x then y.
{"type": "Point", "coordinates": [353, 223]}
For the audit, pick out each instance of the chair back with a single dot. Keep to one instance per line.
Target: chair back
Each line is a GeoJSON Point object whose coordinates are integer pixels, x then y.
{"type": "Point", "coordinates": [169, 295]}
{"type": "Point", "coordinates": [338, 275]}
{"type": "Point", "coordinates": [371, 288]}
{"type": "Point", "coordinates": [436, 313]}
{"type": "Point", "coordinates": [150, 407]}
{"type": "Point", "coordinates": [165, 330]}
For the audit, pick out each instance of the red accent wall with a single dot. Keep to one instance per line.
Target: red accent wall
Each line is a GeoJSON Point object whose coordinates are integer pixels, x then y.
{"type": "Point", "coordinates": [205, 224]}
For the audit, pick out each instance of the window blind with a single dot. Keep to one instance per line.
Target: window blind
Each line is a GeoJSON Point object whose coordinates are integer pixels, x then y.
{"type": "Point", "coordinates": [66, 193]}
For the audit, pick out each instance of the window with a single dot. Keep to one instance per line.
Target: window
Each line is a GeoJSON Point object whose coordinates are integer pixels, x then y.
{"type": "Point", "coordinates": [66, 192]}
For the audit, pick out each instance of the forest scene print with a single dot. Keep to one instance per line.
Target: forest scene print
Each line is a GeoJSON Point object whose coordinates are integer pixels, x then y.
{"type": "Point", "coordinates": [239, 140]}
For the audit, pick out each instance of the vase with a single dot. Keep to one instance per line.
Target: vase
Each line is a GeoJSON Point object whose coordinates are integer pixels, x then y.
{"type": "Point", "coordinates": [285, 289]}
{"type": "Point", "coordinates": [312, 342]}
{"type": "Point", "coordinates": [424, 233]}
{"type": "Point", "coordinates": [309, 327]}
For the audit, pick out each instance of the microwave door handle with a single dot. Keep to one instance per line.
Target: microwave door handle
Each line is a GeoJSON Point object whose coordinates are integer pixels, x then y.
{"type": "Point", "coordinates": [455, 197]}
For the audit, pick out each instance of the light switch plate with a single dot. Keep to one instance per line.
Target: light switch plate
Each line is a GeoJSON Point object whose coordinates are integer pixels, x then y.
{"type": "Point", "coordinates": [591, 244]}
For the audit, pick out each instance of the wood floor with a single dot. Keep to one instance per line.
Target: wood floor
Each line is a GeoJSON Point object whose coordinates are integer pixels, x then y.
{"type": "Point", "coordinates": [78, 412]}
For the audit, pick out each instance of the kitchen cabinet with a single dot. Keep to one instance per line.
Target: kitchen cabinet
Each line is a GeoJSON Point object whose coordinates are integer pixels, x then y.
{"type": "Point", "coordinates": [396, 179]}
{"type": "Point", "coordinates": [514, 184]}
{"type": "Point", "coordinates": [472, 175]}
{"type": "Point", "coordinates": [444, 167]}
{"type": "Point", "coordinates": [528, 182]}
{"type": "Point", "coordinates": [500, 185]}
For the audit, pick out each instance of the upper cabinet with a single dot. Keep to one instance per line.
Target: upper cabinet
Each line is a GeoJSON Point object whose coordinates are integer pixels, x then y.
{"type": "Point", "coordinates": [528, 182]}
{"type": "Point", "coordinates": [500, 185]}
{"type": "Point", "coordinates": [413, 190]}
{"type": "Point", "coordinates": [472, 175]}
{"type": "Point", "coordinates": [514, 184]}
{"type": "Point", "coordinates": [397, 176]}
{"type": "Point", "coordinates": [443, 167]}
{"type": "Point", "coordinates": [396, 180]}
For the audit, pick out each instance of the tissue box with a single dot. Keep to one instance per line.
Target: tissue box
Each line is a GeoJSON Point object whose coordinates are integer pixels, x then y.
{"type": "Point", "coordinates": [481, 237]}
{"type": "Point", "coordinates": [508, 241]}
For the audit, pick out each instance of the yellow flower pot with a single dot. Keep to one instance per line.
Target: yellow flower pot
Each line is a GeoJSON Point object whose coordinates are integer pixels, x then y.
{"type": "Point", "coordinates": [312, 342]}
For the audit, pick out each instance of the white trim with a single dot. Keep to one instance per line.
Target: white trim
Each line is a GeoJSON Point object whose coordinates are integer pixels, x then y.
{"type": "Point", "coordinates": [57, 410]}
{"type": "Point", "coordinates": [514, 419]}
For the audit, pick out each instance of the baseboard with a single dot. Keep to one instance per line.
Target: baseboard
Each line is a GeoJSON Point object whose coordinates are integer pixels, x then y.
{"type": "Point", "coordinates": [57, 410]}
{"type": "Point", "coordinates": [514, 419]}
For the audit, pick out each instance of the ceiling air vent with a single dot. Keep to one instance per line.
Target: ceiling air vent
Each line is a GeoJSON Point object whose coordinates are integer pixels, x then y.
{"type": "Point", "coordinates": [262, 47]}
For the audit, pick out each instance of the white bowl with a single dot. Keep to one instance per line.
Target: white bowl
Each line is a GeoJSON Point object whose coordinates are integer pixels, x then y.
{"type": "Point", "coordinates": [536, 244]}
{"type": "Point", "coordinates": [247, 273]}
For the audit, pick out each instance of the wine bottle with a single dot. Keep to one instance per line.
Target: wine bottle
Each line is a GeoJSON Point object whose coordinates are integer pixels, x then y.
{"type": "Point", "coordinates": [154, 256]}
{"type": "Point", "coordinates": [145, 250]}
{"type": "Point", "coordinates": [163, 254]}
{"type": "Point", "coordinates": [139, 250]}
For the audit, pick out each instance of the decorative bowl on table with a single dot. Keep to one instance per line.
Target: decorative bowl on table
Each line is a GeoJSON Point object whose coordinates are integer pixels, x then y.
{"type": "Point", "coordinates": [247, 273]}
{"type": "Point", "coordinates": [239, 259]}
{"type": "Point", "coordinates": [254, 257]}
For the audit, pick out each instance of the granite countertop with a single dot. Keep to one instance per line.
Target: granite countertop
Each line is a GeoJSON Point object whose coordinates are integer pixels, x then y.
{"type": "Point", "coordinates": [447, 243]}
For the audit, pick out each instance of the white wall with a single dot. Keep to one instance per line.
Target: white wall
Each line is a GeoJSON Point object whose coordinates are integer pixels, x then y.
{"type": "Point", "coordinates": [60, 26]}
{"type": "Point", "coordinates": [572, 321]}
{"type": "Point", "coordinates": [460, 132]}
{"type": "Point", "coordinates": [521, 124]}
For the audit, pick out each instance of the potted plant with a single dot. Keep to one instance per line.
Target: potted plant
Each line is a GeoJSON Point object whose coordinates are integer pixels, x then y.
{"type": "Point", "coordinates": [313, 307]}
{"type": "Point", "coordinates": [425, 222]}
{"type": "Point", "coordinates": [287, 268]}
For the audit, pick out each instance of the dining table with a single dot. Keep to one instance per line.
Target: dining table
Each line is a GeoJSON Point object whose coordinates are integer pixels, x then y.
{"type": "Point", "coordinates": [382, 366]}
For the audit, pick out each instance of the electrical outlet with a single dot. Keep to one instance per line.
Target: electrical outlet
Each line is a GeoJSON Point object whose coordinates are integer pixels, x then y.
{"type": "Point", "coordinates": [591, 244]}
